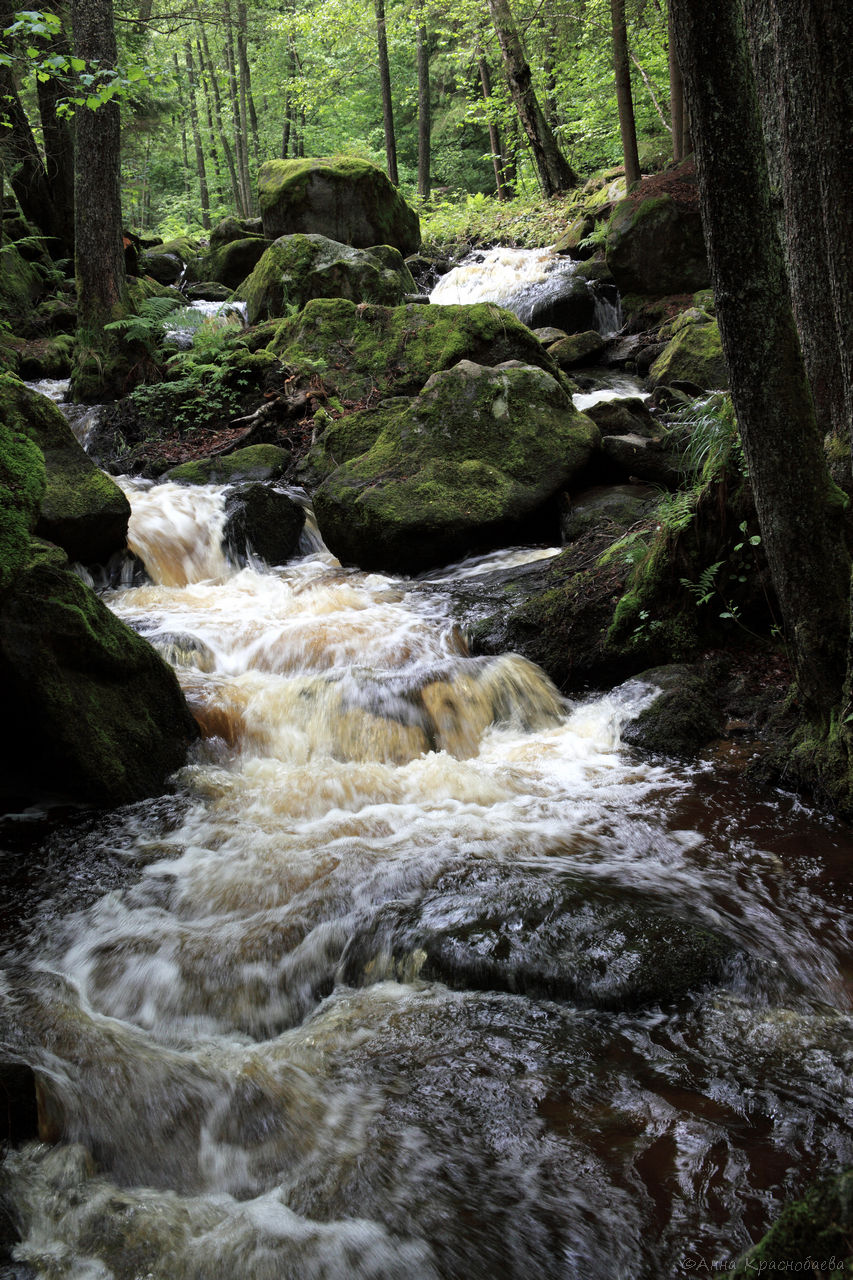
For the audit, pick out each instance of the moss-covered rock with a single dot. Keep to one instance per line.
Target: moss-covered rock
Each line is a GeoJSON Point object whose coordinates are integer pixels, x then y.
{"type": "Point", "coordinates": [577, 349]}
{"type": "Point", "coordinates": [297, 268]}
{"type": "Point", "coordinates": [82, 509]}
{"type": "Point", "coordinates": [577, 230]}
{"type": "Point", "coordinates": [22, 484]}
{"type": "Point", "coordinates": [342, 197]}
{"type": "Point", "coordinates": [46, 357]}
{"type": "Point", "coordinates": [231, 229]}
{"type": "Point", "coordinates": [684, 716]}
{"type": "Point", "coordinates": [370, 351]}
{"type": "Point", "coordinates": [654, 240]}
{"type": "Point", "coordinates": [620, 505]}
{"type": "Point", "coordinates": [99, 717]}
{"type": "Point", "coordinates": [694, 354]}
{"type": "Point", "coordinates": [812, 1236]}
{"type": "Point", "coordinates": [22, 283]}
{"type": "Point", "coordinates": [469, 463]}
{"type": "Point", "coordinates": [255, 462]}
{"type": "Point", "coordinates": [231, 263]}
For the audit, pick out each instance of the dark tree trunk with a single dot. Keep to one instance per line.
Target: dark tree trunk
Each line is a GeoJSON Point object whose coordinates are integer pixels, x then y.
{"type": "Point", "coordinates": [554, 172]}
{"type": "Point", "coordinates": [385, 90]}
{"type": "Point", "coordinates": [799, 511]}
{"type": "Point", "coordinates": [210, 78]}
{"type": "Point", "coordinates": [624, 98]}
{"type": "Point", "coordinates": [424, 120]}
{"type": "Point", "coordinates": [204, 197]}
{"type": "Point", "coordinates": [102, 293]}
{"type": "Point", "coordinates": [501, 186]}
{"type": "Point", "coordinates": [676, 102]}
{"type": "Point", "coordinates": [58, 137]}
{"type": "Point", "coordinates": [185, 155]}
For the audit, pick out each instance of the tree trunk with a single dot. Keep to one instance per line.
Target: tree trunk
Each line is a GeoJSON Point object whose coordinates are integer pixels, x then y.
{"type": "Point", "coordinates": [211, 130]}
{"type": "Point", "coordinates": [799, 511]}
{"type": "Point", "coordinates": [624, 98]}
{"type": "Point", "coordinates": [554, 172]}
{"type": "Point", "coordinates": [58, 138]}
{"type": "Point", "coordinates": [247, 102]}
{"type": "Point", "coordinates": [676, 101]}
{"type": "Point", "coordinates": [241, 155]}
{"type": "Point", "coordinates": [501, 186]}
{"type": "Point", "coordinates": [102, 293]}
{"type": "Point", "coordinates": [424, 105]}
{"type": "Point", "coordinates": [210, 78]}
{"type": "Point", "coordinates": [385, 90]}
{"type": "Point", "coordinates": [199, 151]}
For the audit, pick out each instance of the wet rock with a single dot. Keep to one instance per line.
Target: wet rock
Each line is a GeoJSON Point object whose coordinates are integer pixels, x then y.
{"type": "Point", "coordinates": [344, 198]}
{"type": "Point", "coordinates": [471, 463]}
{"type": "Point", "coordinates": [263, 522]}
{"type": "Point", "coordinates": [620, 504]}
{"type": "Point", "coordinates": [426, 272]}
{"type": "Point", "coordinates": [99, 717]}
{"type": "Point", "coordinates": [694, 354]}
{"type": "Point", "coordinates": [540, 933]}
{"type": "Point", "coordinates": [255, 462]}
{"type": "Point", "coordinates": [579, 349]}
{"type": "Point", "coordinates": [684, 716]}
{"type": "Point", "coordinates": [82, 510]}
{"type": "Point", "coordinates": [18, 1108]}
{"type": "Point", "coordinates": [231, 229]}
{"type": "Point", "coordinates": [297, 268]}
{"type": "Point", "coordinates": [181, 649]}
{"type": "Point", "coordinates": [165, 268]}
{"type": "Point", "coordinates": [572, 308]}
{"type": "Point", "coordinates": [623, 417]}
{"type": "Point", "coordinates": [233, 262]}
{"type": "Point", "coordinates": [548, 335]}
{"type": "Point", "coordinates": [208, 291]}
{"type": "Point", "coordinates": [46, 358]}
{"type": "Point", "coordinates": [635, 455]}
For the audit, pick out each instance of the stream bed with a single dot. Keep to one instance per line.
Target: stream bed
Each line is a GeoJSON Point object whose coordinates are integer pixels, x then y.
{"type": "Point", "coordinates": [417, 973]}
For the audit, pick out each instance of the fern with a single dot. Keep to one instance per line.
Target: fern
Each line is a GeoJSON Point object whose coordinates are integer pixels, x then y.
{"type": "Point", "coordinates": [145, 327]}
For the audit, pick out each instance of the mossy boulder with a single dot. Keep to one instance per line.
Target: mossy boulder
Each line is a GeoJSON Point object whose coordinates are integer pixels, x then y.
{"type": "Point", "coordinates": [231, 263]}
{"type": "Point", "coordinates": [342, 197]}
{"type": "Point", "coordinates": [685, 715]}
{"type": "Point", "coordinates": [655, 243]}
{"type": "Point", "coordinates": [231, 229]}
{"type": "Point", "coordinates": [362, 351]}
{"type": "Point", "coordinates": [99, 717]}
{"type": "Point", "coordinates": [812, 1236]}
{"type": "Point", "coordinates": [82, 509]}
{"type": "Point", "coordinates": [298, 268]}
{"type": "Point", "coordinates": [577, 230]}
{"type": "Point", "coordinates": [255, 462]}
{"type": "Point", "coordinates": [22, 484]}
{"type": "Point", "coordinates": [46, 357]}
{"type": "Point", "coordinates": [472, 462]}
{"type": "Point", "coordinates": [620, 505]}
{"type": "Point", "coordinates": [577, 349]}
{"type": "Point", "coordinates": [694, 354]}
{"type": "Point", "coordinates": [22, 283]}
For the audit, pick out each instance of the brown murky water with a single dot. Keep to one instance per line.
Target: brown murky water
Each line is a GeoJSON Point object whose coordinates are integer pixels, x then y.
{"type": "Point", "coordinates": [417, 973]}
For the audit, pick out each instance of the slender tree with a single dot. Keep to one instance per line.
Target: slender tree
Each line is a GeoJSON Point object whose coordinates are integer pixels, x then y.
{"type": "Point", "coordinates": [502, 187]}
{"type": "Point", "coordinates": [204, 197]}
{"type": "Point", "coordinates": [676, 99]}
{"type": "Point", "coordinates": [209, 78]}
{"type": "Point", "coordinates": [385, 91]}
{"type": "Point", "coordinates": [424, 105]}
{"type": "Point", "coordinates": [799, 511]}
{"type": "Point", "coordinates": [624, 98]}
{"type": "Point", "coordinates": [554, 172]}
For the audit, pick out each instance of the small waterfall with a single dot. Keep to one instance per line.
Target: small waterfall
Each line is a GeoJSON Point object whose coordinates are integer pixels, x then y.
{"type": "Point", "coordinates": [607, 314]}
{"type": "Point", "coordinates": [182, 326]}
{"type": "Point", "coordinates": [525, 281]}
{"type": "Point", "coordinates": [81, 418]}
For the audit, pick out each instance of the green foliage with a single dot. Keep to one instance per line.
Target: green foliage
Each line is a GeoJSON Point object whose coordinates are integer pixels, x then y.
{"type": "Point", "coordinates": [145, 328]}
{"type": "Point", "coordinates": [706, 433]}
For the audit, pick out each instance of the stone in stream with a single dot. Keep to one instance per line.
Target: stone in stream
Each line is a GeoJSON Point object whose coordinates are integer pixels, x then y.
{"type": "Point", "coordinates": [342, 197]}
{"type": "Point", "coordinates": [298, 268]}
{"type": "Point", "coordinates": [475, 461]}
{"type": "Point", "coordinates": [255, 462]}
{"type": "Point", "coordinates": [231, 263]}
{"type": "Point", "coordinates": [541, 933]}
{"type": "Point", "coordinates": [261, 521]}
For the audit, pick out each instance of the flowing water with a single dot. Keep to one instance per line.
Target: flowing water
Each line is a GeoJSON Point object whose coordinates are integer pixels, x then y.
{"type": "Point", "coordinates": [522, 280]}
{"type": "Point", "coordinates": [417, 973]}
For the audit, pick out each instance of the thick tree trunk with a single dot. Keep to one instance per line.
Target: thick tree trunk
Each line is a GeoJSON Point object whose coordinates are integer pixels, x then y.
{"type": "Point", "coordinates": [554, 172]}
{"type": "Point", "coordinates": [799, 511]}
{"type": "Point", "coordinates": [624, 98]}
{"type": "Point", "coordinates": [102, 293]}
{"type": "Point", "coordinates": [199, 150]}
{"type": "Point", "coordinates": [501, 186]}
{"type": "Point", "coordinates": [385, 90]}
{"type": "Point", "coordinates": [424, 117]}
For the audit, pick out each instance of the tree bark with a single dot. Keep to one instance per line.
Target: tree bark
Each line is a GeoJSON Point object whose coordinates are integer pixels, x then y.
{"type": "Point", "coordinates": [210, 78]}
{"type": "Point", "coordinates": [385, 90]}
{"type": "Point", "coordinates": [624, 97]}
{"type": "Point", "coordinates": [553, 171]}
{"type": "Point", "coordinates": [799, 511]}
{"type": "Point", "coordinates": [241, 154]}
{"type": "Point", "coordinates": [204, 197]}
{"type": "Point", "coordinates": [58, 138]}
{"type": "Point", "coordinates": [676, 101]}
{"type": "Point", "coordinates": [424, 120]}
{"type": "Point", "coordinates": [211, 130]}
{"type": "Point", "coordinates": [501, 186]}
{"type": "Point", "coordinates": [102, 293]}
{"type": "Point", "coordinates": [185, 155]}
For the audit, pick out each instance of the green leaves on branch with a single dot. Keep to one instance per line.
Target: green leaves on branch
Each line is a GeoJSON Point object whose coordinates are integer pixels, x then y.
{"type": "Point", "coordinates": [89, 84]}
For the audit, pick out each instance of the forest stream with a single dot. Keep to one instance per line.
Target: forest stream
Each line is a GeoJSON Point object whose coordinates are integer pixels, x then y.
{"type": "Point", "coordinates": [417, 973]}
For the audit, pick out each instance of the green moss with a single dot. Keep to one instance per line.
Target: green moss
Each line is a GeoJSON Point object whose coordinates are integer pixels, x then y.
{"type": "Point", "coordinates": [811, 1235]}
{"type": "Point", "coordinates": [22, 485]}
{"type": "Point", "coordinates": [256, 462]}
{"type": "Point", "coordinates": [695, 354]}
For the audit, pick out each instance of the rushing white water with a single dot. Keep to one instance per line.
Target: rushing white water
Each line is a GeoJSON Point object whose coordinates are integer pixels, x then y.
{"type": "Point", "coordinates": [56, 389]}
{"type": "Point", "coordinates": [393, 985]}
{"type": "Point", "coordinates": [622, 387]}
{"type": "Point", "coordinates": [522, 280]}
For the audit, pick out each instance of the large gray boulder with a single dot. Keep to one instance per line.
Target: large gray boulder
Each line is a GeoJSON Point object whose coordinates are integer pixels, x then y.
{"type": "Point", "coordinates": [472, 462]}
{"type": "Point", "coordinates": [296, 269]}
{"type": "Point", "coordinates": [341, 197]}
{"type": "Point", "coordinates": [654, 241]}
